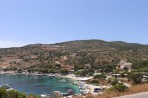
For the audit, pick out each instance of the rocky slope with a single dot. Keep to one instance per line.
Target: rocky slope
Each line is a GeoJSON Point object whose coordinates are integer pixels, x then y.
{"type": "Point", "coordinates": [79, 53]}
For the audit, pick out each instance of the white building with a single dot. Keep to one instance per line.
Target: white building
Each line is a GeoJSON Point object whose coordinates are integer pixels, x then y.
{"type": "Point", "coordinates": [124, 64]}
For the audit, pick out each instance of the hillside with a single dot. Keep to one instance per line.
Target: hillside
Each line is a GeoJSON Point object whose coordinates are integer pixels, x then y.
{"type": "Point", "coordinates": [73, 53]}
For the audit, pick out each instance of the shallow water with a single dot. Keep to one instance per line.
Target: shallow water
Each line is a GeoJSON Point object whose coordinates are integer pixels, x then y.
{"type": "Point", "coordinates": [37, 84]}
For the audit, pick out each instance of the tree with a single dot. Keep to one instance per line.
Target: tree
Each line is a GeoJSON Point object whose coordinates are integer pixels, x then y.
{"type": "Point", "coordinates": [11, 94]}
{"type": "Point", "coordinates": [114, 82]}
{"type": "Point", "coordinates": [140, 64]}
{"type": "Point", "coordinates": [120, 87]}
{"type": "Point", "coordinates": [94, 81]}
{"type": "Point", "coordinates": [136, 78]}
{"type": "Point", "coordinates": [3, 93]}
{"type": "Point", "coordinates": [58, 65]}
{"type": "Point", "coordinates": [15, 94]}
{"type": "Point", "coordinates": [52, 71]}
{"type": "Point", "coordinates": [100, 76]}
{"type": "Point", "coordinates": [82, 72]}
{"type": "Point", "coordinates": [64, 71]}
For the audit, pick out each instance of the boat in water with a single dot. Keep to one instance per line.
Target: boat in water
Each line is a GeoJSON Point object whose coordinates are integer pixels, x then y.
{"type": "Point", "coordinates": [62, 80]}
{"type": "Point", "coordinates": [58, 94]}
{"type": "Point", "coordinates": [75, 83]}
{"type": "Point", "coordinates": [46, 96]}
{"type": "Point", "coordinates": [51, 75]}
{"type": "Point", "coordinates": [69, 92]}
{"type": "Point", "coordinates": [84, 92]}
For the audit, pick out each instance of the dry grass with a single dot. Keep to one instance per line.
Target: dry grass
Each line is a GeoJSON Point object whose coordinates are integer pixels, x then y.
{"type": "Point", "coordinates": [110, 94]}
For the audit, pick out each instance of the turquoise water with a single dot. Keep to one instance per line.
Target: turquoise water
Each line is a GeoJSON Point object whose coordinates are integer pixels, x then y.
{"type": "Point", "coordinates": [37, 84]}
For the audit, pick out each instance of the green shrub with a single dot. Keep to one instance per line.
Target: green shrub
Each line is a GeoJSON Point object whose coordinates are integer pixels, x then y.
{"type": "Point", "coordinates": [136, 78]}
{"type": "Point", "coordinates": [101, 76]}
{"type": "Point", "coordinates": [120, 87]}
{"type": "Point", "coordinates": [64, 71]}
{"type": "Point", "coordinates": [3, 93]}
{"type": "Point", "coordinates": [11, 94]}
{"type": "Point", "coordinates": [94, 81]}
{"type": "Point", "coordinates": [33, 96]}
{"type": "Point", "coordinates": [114, 82]}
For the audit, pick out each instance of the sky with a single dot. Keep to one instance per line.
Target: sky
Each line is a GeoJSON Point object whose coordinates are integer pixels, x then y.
{"type": "Point", "coordinates": [25, 22]}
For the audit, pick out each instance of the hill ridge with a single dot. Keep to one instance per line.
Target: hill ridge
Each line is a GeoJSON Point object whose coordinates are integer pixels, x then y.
{"type": "Point", "coordinates": [79, 52]}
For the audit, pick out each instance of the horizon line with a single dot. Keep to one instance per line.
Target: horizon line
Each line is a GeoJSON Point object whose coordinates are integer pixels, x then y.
{"type": "Point", "coordinates": [17, 45]}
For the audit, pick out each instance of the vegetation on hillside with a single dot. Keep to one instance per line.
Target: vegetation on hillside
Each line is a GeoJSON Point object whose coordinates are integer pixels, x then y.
{"type": "Point", "coordinates": [83, 54]}
{"type": "Point", "coordinates": [14, 94]}
{"type": "Point", "coordinates": [84, 57]}
{"type": "Point", "coordinates": [115, 93]}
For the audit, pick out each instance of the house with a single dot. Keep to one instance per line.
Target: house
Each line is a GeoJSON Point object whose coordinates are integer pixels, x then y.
{"type": "Point", "coordinates": [123, 64]}
{"type": "Point", "coordinates": [96, 74]}
{"type": "Point", "coordinates": [87, 66]}
{"type": "Point", "coordinates": [116, 75]}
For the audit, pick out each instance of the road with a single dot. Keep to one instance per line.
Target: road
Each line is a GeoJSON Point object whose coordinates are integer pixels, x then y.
{"type": "Point", "coordinates": [139, 95]}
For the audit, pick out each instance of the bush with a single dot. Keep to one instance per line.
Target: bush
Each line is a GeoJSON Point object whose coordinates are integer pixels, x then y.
{"type": "Point", "coordinates": [57, 65]}
{"type": "Point", "coordinates": [114, 82]}
{"type": "Point", "coordinates": [64, 71]}
{"type": "Point", "coordinates": [140, 64]}
{"type": "Point", "coordinates": [101, 76]}
{"type": "Point", "coordinates": [136, 78]}
{"type": "Point", "coordinates": [120, 87]}
{"type": "Point", "coordinates": [83, 72]}
{"type": "Point", "coordinates": [94, 81]}
{"type": "Point", "coordinates": [11, 94]}
{"type": "Point", "coordinates": [15, 94]}
{"type": "Point", "coordinates": [3, 93]}
{"type": "Point", "coordinates": [32, 96]}
{"type": "Point", "coordinates": [52, 71]}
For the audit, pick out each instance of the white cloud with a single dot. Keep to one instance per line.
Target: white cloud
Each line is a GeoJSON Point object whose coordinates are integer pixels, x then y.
{"type": "Point", "coordinates": [8, 44]}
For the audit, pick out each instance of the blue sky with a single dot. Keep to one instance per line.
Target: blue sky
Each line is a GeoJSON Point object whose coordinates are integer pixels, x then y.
{"type": "Point", "coordinates": [49, 21]}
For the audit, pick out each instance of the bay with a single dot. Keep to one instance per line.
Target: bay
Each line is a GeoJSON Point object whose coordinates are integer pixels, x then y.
{"type": "Point", "coordinates": [38, 84]}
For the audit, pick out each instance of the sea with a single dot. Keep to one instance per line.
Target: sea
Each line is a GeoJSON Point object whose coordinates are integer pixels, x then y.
{"type": "Point", "coordinates": [38, 84]}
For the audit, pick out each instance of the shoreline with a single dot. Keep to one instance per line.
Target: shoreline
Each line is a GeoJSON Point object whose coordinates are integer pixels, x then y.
{"type": "Point", "coordinates": [89, 88]}
{"type": "Point", "coordinates": [68, 82]}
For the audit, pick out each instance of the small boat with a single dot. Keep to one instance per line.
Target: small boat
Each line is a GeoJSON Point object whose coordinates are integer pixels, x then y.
{"type": "Point", "coordinates": [63, 80]}
{"type": "Point", "coordinates": [70, 92]}
{"type": "Point", "coordinates": [84, 92]}
{"type": "Point", "coordinates": [51, 75]}
{"type": "Point", "coordinates": [97, 90]}
{"type": "Point", "coordinates": [81, 86]}
{"type": "Point", "coordinates": [46, 96]}
{"type": "Point", "coordinates": [75, 83]}
{"type": "Point", "coordinates": [65, 94]}
{"type": "Point", "coordinates": [43, 96]}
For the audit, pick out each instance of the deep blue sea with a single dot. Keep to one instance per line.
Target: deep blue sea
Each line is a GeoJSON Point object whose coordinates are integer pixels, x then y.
{"type": "Point", "coordinates": [37, 84]}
